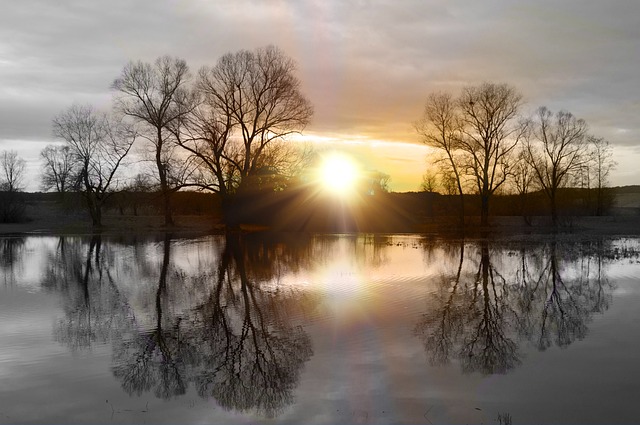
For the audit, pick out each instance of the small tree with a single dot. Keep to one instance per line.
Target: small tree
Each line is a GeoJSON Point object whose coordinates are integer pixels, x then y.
{"type": "Point", "coordinates": [99, 144]}
{"type": "Point", "coordinates": [13, 169]}
{"type": "Point", "coordinates": [448, 180]}
{"type": "Point", "coordinates": [377, 182]}
{"type": "Point", "coordinates": [138, 190]}
{"type": "Point", "coordinates": [429, 182]}
{"type": "Point", "coordinates": [522, 182]}
{"type": "Point", "coordinates": [602, 163]}
{"type": "Point", "coordinates": [58, 168]}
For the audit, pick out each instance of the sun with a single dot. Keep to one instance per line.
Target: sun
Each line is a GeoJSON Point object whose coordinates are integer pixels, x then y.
{"type": "Point", "coordinates": [338, 174]}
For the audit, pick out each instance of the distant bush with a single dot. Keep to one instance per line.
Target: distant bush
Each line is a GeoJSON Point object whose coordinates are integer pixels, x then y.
{"type": "Point", "coordinates": [12, 207]}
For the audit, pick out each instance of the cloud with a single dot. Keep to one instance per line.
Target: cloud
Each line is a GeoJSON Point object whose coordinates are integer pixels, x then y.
{"type": "Point", "coordinates": [367, 66]}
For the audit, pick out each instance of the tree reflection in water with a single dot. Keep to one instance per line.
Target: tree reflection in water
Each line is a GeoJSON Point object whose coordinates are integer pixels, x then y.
{"type": "Point", "coordinates": [253, 356]}
{"type": "Point", "coordinates": [239, 340]}
{"type": "Point", "coordinates": [560, 295]}
{"type": "Point", "coordinates": [210, 316]}
{"type": "Point", "coordinates": [95, 310]}
{"type": "Point", "coordinates": [478, 317]}
{"type": "Point", "coordinates": [157, 358]}
{"type": "Point", "coordinates": [11, 251]}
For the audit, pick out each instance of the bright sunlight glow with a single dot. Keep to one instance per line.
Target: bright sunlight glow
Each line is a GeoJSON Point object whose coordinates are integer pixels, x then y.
{"type": "Point", "coordinates": [338, 174]}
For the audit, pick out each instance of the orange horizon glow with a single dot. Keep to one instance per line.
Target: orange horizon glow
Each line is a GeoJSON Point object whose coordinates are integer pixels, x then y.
{"type": "Point", "coordinates": [404, 162]}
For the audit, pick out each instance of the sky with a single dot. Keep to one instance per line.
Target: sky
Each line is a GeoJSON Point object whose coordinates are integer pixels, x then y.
{"type": "Point", "coordinates": [366, 66]}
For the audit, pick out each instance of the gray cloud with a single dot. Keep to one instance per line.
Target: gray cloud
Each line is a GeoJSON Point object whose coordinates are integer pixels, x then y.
{"type": "Point", "coordinates": [367, 66]}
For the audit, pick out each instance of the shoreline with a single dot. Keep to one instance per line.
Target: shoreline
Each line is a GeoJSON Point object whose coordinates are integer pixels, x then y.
{"type": "Point", "coordinates": [46, 223]}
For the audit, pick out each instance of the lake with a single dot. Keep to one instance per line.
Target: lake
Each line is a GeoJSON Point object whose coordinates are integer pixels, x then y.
{"type": "Point", "coordinates": [320, 329]}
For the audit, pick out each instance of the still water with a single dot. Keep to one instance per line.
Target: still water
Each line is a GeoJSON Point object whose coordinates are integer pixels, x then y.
{"type": "Point", "coordinates": [318, 329]}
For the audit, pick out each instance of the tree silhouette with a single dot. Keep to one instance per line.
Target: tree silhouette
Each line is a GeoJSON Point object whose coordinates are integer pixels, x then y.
{"type": "Point", "coordinates": [251, 102]}
{"type": "Point", "coordinates": [58, 169]}
{"type": "Point", "coordinates": [441, 127]}
{"type": "Point", "coordinates": [157, 96]}
{"type": "Point", "coordinates": [12, 171]}
{"type": "Point", "coordinates": [556, 149]}
{"type": "Point", "coordinates": [98, 144]}
{"type": "Point", "coordinates": [477, 133]}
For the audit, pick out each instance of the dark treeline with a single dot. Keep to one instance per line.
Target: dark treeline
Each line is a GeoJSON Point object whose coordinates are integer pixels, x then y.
{"type": "Point", "coordinates": [129, 203]}
{"type": "Point", "coordinates": [304, 208]}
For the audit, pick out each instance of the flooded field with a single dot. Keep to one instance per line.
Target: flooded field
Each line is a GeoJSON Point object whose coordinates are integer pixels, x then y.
{"type": "Point", "coordinates": [318, 329]}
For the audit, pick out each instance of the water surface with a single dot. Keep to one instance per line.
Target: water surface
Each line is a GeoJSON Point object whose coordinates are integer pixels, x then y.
{"type": "Point", "coordinates": [318, 329]}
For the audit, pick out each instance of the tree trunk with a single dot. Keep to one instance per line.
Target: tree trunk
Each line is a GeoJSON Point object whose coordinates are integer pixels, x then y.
{"type": "Point", "coordinates": [554, 209]}
{"type": "Point", "coordinates": [599, 201]}
{"type": "Point", "coordinates": [230, 213]}
{"type": "Point", "coordinates": [94, 210]}
{"type": "Point", "coordinates": [461, 208]}
{"type": "Point", "coordinates": [98, 214]}
{"type": "Point", "coordinates": [166, 195]}
{"type": "Point", "coordinates": [523, 209]}
{"type": "Point", "coordinates": [484, 212]}
{"type": "Point", "coordinates": [164, 186]}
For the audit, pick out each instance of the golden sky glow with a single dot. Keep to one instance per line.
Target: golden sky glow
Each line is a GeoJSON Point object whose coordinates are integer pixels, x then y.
{"type": "Point", "coordinates": [404, 162]}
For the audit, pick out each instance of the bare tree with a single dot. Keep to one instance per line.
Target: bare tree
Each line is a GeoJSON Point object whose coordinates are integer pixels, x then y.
{"type": "Point", "coordinates": [556, 150]}
{"type": "Point", "coordinates": [601, 153]}
{"type": "Point", "coordinates": [13, 169]}
{"type": "Point", "coordinates": [157, 96]}
{"type": "Point", "coordinates": [99, 144]}
{"type": "Point", "coordinates": [440, 128]}
{"type": "Point", "coordinates": [252, 102]}
{"type": "Point", "coordinates": [136, 191]}
{"type": "Point", "coordinates": [429, 182]}
{"type": "Point", "coordinates": [523, 179]}
{"type": "Point", "coordinates": [12, 205]}
{"type": "Point", "coordinates": [447, 180]}
{"type": "Point", "coordinates": [490, 131]}
{"type": "Point", "coordinates": [57, 168]}
{"type": "Point", "coordinates": [375, 182]}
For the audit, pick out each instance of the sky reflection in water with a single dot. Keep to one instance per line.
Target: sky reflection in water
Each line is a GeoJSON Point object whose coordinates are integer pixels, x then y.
{"type": "Point", "coordinates": [322, 329]}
